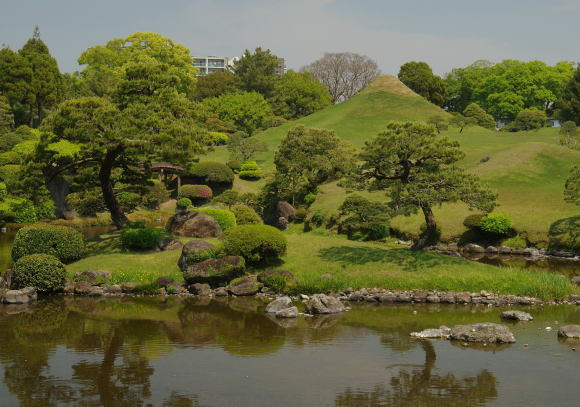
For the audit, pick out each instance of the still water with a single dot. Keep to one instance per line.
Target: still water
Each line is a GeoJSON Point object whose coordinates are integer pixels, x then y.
{"type": "Point", "coordinates": [152, 351]}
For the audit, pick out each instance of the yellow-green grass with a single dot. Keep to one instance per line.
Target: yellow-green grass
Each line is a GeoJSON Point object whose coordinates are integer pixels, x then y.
{"type": "Point", "coordinates": [326, 262]}
{"type": "Point", "coordinates": [527, 169]}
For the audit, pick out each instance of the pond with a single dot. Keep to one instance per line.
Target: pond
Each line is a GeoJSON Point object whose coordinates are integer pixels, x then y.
{"type": "Point", "coordinates": [170, 351]}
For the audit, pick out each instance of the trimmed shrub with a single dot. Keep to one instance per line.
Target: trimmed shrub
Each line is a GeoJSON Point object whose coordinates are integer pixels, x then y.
{"type": "Point", "coordinates": [497, 223]}
{"type": "Point", "coordinates": [481, 117]}
{"type": "Point", "coordinates": [246, 215]}
{"type": "Point", "coordinates": [129, 201]}
{"type": "Point", "coordinates": [195, 193]}
{"type": "Point", "coordinates": [255, 243]}
{"type": "Point", "coordinates": [309, 198]}
{"type": "Point", "coordinates": [228, 198]}
{"type": "Point", "coordinates": [225, 218]}
{"type": "Point", "coordinates": [234, 165]}
{"type": "Point", "coordinates": [363, 219]}
{"type": "Point", "coordinates": [473, 221]}
{"type": "Point", "coordinates": [87, 203]}
{"type": "Point", "coordinates": [249, 166]}
{"type": "Point", "coordinates": [529, 119]}
{"type": "Point", "coordinates": [251, 174]}
{"type": "Point", "coordinates": [211, 173]}
{"type": "Point", "coordinates": [155, 194]}
{"type": "Point", "coordinates": [64, 243]}
{"type": "Point", "coordinates": [140, 238]}
{"type": "Point", "coordinates": [44, 272]}
{"type": "Point", "coordinates": [183, 203]}
{"type": "Point", "coordinates": [218, 138]}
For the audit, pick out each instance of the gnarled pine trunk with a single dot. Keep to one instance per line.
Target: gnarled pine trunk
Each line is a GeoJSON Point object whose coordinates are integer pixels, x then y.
{"type": "Point", "coordinates": [117, 215]}
{"type": "Point", "coordinates": [429, 236]}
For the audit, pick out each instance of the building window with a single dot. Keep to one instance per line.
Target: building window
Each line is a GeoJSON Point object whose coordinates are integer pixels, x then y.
{"type": "Point", "coordinates": [216, 63]}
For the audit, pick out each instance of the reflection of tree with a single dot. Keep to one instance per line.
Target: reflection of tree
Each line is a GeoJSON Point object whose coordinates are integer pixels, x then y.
{"type": "Point", "coordinates": [421, 387]}
{"type": "Point", "coordinates": [179, 400]}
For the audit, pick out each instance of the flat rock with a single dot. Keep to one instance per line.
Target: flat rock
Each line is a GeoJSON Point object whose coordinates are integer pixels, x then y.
{"type": "Point", "coordinates": [324, 304]}
{"type": "Point", "coordinates": [22, 296]}
{"type": "Point", "coordinates": [200, 289]}
{"type": "Point", "coordinates": [516, 316]}
{"type": "Point", "coordinates": [221, 292]}
{"type": "Point", "coordinates": [291, 312]}
{"type": "Point", "coordinates": [442, 332]}
{"type": "Point", "coordinates": [505, 250]}
{"type": "Point", "coordinates": [245, 286]}
{"type": "Point", "coordinates": [569, 331]}
{"type": "Point", "coordinates": [473, 248]}
{"type": "Point", "coordinates": [113, 289]}
{"type": "Point", "coordinates": [486, 332]}
{"type": "Point", "coordinates": [279, 304]}
{"type": "Point", "coordinates": [86, 288]}
{"type": "Point", "coordinates": [168, 244]}
{"type": "Point", "coordinates": [215, 270]}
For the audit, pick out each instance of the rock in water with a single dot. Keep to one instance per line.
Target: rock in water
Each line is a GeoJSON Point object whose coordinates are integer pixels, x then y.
{"type": "Point", "coordinates": [516, 316]}
{"type": "Point", "coordinates": [569, 331]}
{"type": "Point", "coordinates": [203, 290]}
{"type": "Point", "coordinates": [245, 286]}
{"type": "Point", "coordinates": [193, 224]}
{"type": "Point", "coordinates": [291, 312]}
{"type": "Point", "coordinates": [324, 304]}
{"type": "Point", "coordinates": [442, 332]}
{"type": "Point", "coordinates": [279, 304]}
{"type": "Point", "coordinates": [486, 332]}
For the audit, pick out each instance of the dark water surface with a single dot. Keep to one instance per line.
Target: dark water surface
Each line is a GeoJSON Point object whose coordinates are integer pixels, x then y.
{"type": "Point", "coordinates": [150, 351]}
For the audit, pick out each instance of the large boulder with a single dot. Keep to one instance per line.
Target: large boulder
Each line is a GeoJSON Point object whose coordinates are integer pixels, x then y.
{"type": "Point", "coordinates": [215, 270]}
{"type": "Point", "coordinates": [486, 332]}
{"type": "Point", "coordinates": [193, 224]}
{"type": "Point", "coordinates": [167, 244]}
{"type": "Point", "coordinates": [244, 286]}
{"type": "Point", "coordinates": [324, 304]}
{"type": "Point", "coordinates": [94, 277]}
{"type": "Point", "coordinates": [473, 248]}
{"type": "Point", "coordinates": [203, 290]}
{"type": "Point", "coordinates": [291, 312]}
{"type": "Point", "coordinates": [191, 249]}
{"type": "Point", "coordinates": [569, 331]}
{"type": "Point", "coordinates": [22, 296]}
{"type": "Point", "coordinates": [516, 316]}
{"type": "Point", "coordinates": [285, 210]}
{"type": "Point", "coordinates": [279, 304]}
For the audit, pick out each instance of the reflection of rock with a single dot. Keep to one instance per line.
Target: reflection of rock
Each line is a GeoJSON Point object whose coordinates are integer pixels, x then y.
{"type": "Point", "coordinates": [323, 321]}
{"type": "Point", "coordinates": [569, 331]}
{"type": "Point", "coordinates": [282, 322]}
{"type": "Point", "coordinates": [516, 316]}
{"type": "Point", "coordinates": [435, 333]}
{"type": "Point", "coordinates": [486, 332]}
{"type": "Point", "coordinates": [486, 347]}
{"type": "Point", "coordinates": [291, 312]}
{"type": "Point", "coordinates": [324, 304]}
{"type": "Point", "coordinates": [22, 296]}
{"type": "Point", "coordinates": [243, 304]}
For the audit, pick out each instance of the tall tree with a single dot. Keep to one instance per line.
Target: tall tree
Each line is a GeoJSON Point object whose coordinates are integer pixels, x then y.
{"type": "Point", "coordinates": [15, 79]}
{"type": "Point", "coordinates": [417, 169]}
{"type": "Point", "coordinates": [420, 78]}
{"type": "Point", "coordinates": [6, 116]}
{"type": "Point", "coordinates": [344, 74]}
{"type": "Point", "coordinates": [479, 116]}
{"type": "Point", "coordinates": [298, 94]}
{"type": "Point", "coordinates": [257, 71]}
{"type": "Point", "coordinates": [569, 103]}
{"type": "Point", "coordinates": [46, 84]}
{"type": "Point", "coordinates": [247, 110]}
{"type": "Point", "coordinates": [216, 84]}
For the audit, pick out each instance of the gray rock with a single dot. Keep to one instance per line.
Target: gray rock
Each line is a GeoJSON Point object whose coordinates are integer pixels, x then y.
{"type": "Point", "coordinates": [200, 289]}
{"type": "Point", "coordinates": [129, 287]}
{"type": "Point", "coordinates": [85, 288]}
{"type": "Point", "coordinates": [164, 281]}
{"type": "Point", "coordinates": [221, 292]}
{"type": "Point", "coordinates": [576, 280]}
{"type": "Point", "coordinates": [192, 248]}
{"type": "Point", "coordinates": [531, 251]}
{"type": "Point", "coordinates": [22, 296]}
{"type": "Point", "coordinates": [491, 250]}
{"type": "Point", "coordinates": [113, 289]}
{"type": "Point", "coordinates": [291, 312]}
{"type": "Point", "coordinates": [442, 332]}
{"type": "Point", "coordinates": [6, 280]}
{"type": "Point", "coordinates": [516, 315]}
{"type": "Point", "coordinates": [193, 224]}
{"type": "Point", "coordinates": [486, 332]}
{"type": "Point", "coordinates": [165, 245]}
{"type": "Point", "coordinates": [569, 331]}
{"type": "Point", "coordinates": [93, 277]}
{"type": "Point", "coordinates": [215, 270]}
{"type": "Point", "coordinates": [505, 250]}
{"type": "Point", "coordinates": [473, 248]}
{"type": "Point", "coordinates": [324, 304]}
{"type": "Point", "coordinates": [245, 286]}
{"type": "Point", "coordinates": [279, 304]}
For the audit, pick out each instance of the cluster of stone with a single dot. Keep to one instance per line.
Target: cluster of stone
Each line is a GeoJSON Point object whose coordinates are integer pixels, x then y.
{"type": "Point", "coordinates": [503, 250]}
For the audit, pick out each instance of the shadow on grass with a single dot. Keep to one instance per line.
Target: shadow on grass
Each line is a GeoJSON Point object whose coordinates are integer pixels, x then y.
{"type": "Point", "coordinates": [565, 234]}
{"type": "Point", "coordinates": [408, 260]}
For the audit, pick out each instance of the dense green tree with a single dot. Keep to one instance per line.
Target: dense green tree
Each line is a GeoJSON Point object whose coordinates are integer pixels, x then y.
{"type": "Point", "coordinates": [150, 121]}
{"type": "Point", "coordinates": [298, 94]}
{"type": "Point", "coordinates": [105, 64]}
{"type": "Point", "coordinates": [419, 77]}
{"type": "Point", "coordinates": [505, 104]}
{"type": "Point", "coordinates": [15, 79]}
{"type": "Point", "coordinates": [46, 85]}
{"type": "Point", "coordinates": [6, 116]}
{"type": "Point", "coordinates": [530, 119]}
{"type": "Point", "coordinates": [361, 215]}
{"type": "Point", "coordinates": [572, 187]}
{"type": "Point", "coordinates": [569, 103]}
{"type": "Point", "coordinates": [307, 158]}
{"type": "Point", "coordinates": [257, 71]}
{"type": "Point", "coordinates": [569, 135]}
{"type": "Point", "coordinates": [244, 148]}
{"type": "Point", "coordinates": [480, 116]}
{"type": "Point", "coordinates": [461, 122]}
{"type": "Point", "coordinates": [247, 110]}
{"type": "Point", "coordinates": [417, 169]}
{"type": "Point", "coordinates": [216, 84]}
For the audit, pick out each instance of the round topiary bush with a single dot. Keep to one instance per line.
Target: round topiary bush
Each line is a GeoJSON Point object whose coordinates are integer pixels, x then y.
{"type": "Point", "coordinates": [498, 223]}
{"type": "Point", "coordinates": [195, 193]}
{"type": "Point", "coordinates": [140, 238]}
{"type": "Point", "coordinates": [246, 215]}
{"type": "Point", "coordinates": [211, 173]}
{"type": "Point", "coordinates": [234, 165]}
{"type": "Point", "coordinates": [473, 221]}
{"type": "Point", "coordinates": [66, 244]}
{"type": "Point", "coordinates": [225, 218]}
{"type": "Point", "coordinates": [42, 271]}
{"type": "Point", "coordinates": [183, 203]}
{"type": "Point", "coordinates": [255, 243]}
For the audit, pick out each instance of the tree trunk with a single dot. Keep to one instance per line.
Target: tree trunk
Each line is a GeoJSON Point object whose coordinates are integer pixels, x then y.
{"type": "Point", "coordinates": [429, 236]}
{"type": "Point", "coordinates": [117, 215]}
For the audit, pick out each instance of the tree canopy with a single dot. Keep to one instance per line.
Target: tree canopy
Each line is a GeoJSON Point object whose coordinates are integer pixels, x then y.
{"type": "Point", "coordinates": [569, 103]}
{"type": "Point", "coordinates": [247, 110]}
{"type": "Point", "coordinates": [419, 77]}
{"type": "Point", "coordinates": [298, 94]}
{"type": "Point", "coordinates": [216, 84]}
{"type": "Point", "coordinates": [257, 71]}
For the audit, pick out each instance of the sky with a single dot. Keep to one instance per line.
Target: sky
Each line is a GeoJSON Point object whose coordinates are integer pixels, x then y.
{"type": "Point", "coordinates": [443, 33]}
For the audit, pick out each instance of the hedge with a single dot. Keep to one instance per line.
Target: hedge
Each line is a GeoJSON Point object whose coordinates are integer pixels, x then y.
{"type": "Point", "coordinates": [195, 192]}
{"type": "Point", "coordinates": [140, 238]}
{"type": "Point", "coordinates": [246, 215]}
{"type": "Point", "coordinates": [210, 172]}
{"type": "Point", "coordinates": [225, 218]}
{"type": "Point", "coordinates": [255, 243]}
{"type": "Point", "coordinates": [64, 243]}
{"type": "Point", "coordinates": [42, 271]}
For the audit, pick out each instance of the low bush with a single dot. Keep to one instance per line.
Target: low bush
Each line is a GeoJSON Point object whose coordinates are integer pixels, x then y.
{"type": "Point", "coordinates": [18, 210]}
{"type": "Point", "coordinates": [140, 238]}
{"type": "Point", "coordinates": [246, 215]}
{"type": "Point", "coordinates": [473, 221]}
{"type": "Point", "coordinates": [224, 217]}
{"type": "Point", "coordinates": [363, 219]}
{"type": "Point", "coordinates": [183, 203]}
{"type": "Point", "coordinates": [218, 138]}
{"type": "Point", "coordinates": [227, 198]}
{"type": "Point", "coordinates": [195, 193]}
{"type": "Point", "coordinates": [211, 173]}
{"type": "Point", "coordinates": [129, 201]}
{"type": "Point", "coordinates": [275, 121]}
{"type": "Point", "coordinates": [498, 223]}
{"type": "Point", "coordinates": [64, 243]}
{"type": "Point", "coordinates": [234, 165]}
{"type": "Point", "coordinates": [255, 243]}
{"type": "Point", "coordinates": [249, 166]}
{"type": "Point", "coordinates": [45, 209]}
{"type": "Point", "coordinates": [529, 119]}
{"type": "Point", "coordinates": [309, 198]}
{"type": "Point", "coordinates": [251, 174]}
{"type": "Point", "coordinates": [44, 272]}
{"type": "Point", "coordinates": [87, 203]}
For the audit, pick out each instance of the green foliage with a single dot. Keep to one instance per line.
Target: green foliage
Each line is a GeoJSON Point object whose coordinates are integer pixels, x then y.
{"type": "Point", "coordinates": [15, 84]}
{"type": "Point", "coordinates": [216, 84]}
{"type": "Point", "coordinates": [155, 194]}
{"type": "Point", "coordinates": [300, 215]}
{"type": "Point", "coordinates": [245, 215]}
{"type": "Point", "coordinates": [18, 210]}
{"type": "Point", "coordinates": [42, 271]}
{"type": "Point", "coordinates": [251, 175]}
{"type": "Point", "coordinates": [515, 242]}
{"type": "Point", "coordinates": [247, 110]}
{"type": "Point", "coordinates": [461, 122]}
{"type": "Point", "coordinates": [569, 134]}
{"type": "Point", "coordinates": [129, 201]}
{"type": "Point", "coordinates": [234, 165]}
{"type": "Point", "coordinates": [257, 71]}
{"type": "Point", "coordinates": [249, 166]}
{"type": "Point", "coordinates": [224, 217]}
{"type": "Point", "coordinates": [64, 243]}
{"type": "Point", "coordinates": [219, 138]}
{"type": "Point", "coordinates": [6, 115]}
{"type": "Point", "coordinates": [439, 122]}
{"type": "Point", "coordinates": [298, 94]}
{"type": "Point", "coordinates": [10, 157]}
{"type": "Point", "coordinates": [420, 78]}
{"type": "Point", "coordinates": [244, 148]}
{"type": "Point", "coordinates": [3, 191]}
{"type": "Point", "coordinates": [569, 103]}
{"type": "Point", "coordinates": [195, 193]}
{"type": "Point", "coordinates": [215, 252]}
{"type": "Point", "coordinates": [227, 198]}
{"type": "Point", "coordinates": [530, 119]}
{"type": "Point", "coordinates": [309, 198]}
{"type": "Point", "coordinates": [275, 121]}
{"type": "Point", "coordinates": [368, 219]}
{"type": "Point", "coordinates": [255, 243]}
{"type": "Point", "coordinates": [572, 187]}
{"type": "Point", "coordinates": [211, 173]}
{"type": "Point", "coordinates": [140, 238]}
{"type": "Point", "coordinates": [183, 203]}
{"type": "Point", "coordinates": [45, 209]}
{"type": "Point", "coordinates": [87, 203]}
{"type": "Point", "coordinates": [498, 223]}
{"type": "Point", "coordinates": [474, 220]}
{"type": "Point", "coordinates": [481, 117]}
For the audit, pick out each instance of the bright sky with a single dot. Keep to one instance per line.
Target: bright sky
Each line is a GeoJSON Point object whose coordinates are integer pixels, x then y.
{"type": "Point", "coordinates": [444, 33]}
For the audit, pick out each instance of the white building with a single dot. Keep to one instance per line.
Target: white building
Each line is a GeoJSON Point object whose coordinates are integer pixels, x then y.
{"type": "Point", "coordinates": [211, 64]}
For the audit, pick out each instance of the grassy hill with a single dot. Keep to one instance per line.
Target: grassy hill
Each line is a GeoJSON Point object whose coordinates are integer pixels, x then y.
{"type": "Point", "coordinates": [526, 169]}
